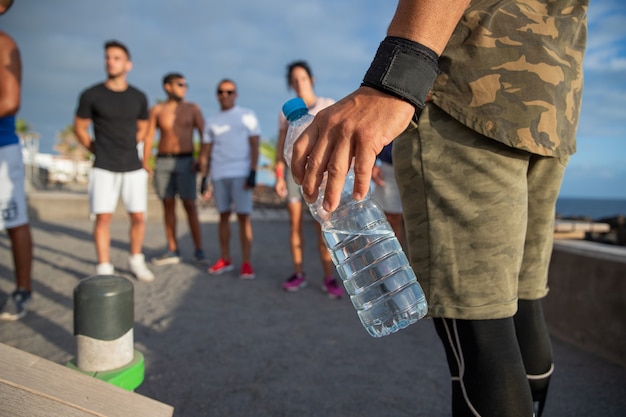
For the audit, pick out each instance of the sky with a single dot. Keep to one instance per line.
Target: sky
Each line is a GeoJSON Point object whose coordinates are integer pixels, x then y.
{"type": "Point", "coordinates": [61, 42]}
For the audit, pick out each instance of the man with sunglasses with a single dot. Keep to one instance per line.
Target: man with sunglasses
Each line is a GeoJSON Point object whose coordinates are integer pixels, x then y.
{"type": "Point", "coordinates": [175, 169]}
{"type": "Point", "coordinates": [232, 151]}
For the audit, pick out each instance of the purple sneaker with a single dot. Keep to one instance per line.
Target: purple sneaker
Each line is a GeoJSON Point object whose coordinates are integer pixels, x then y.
{"type": "Point", "coordinates": [332, 288]}
{"type": "Point", "coordinates": [294, 283]}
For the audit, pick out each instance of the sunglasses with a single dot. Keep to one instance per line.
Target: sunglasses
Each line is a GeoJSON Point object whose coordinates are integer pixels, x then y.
{"type": "Point", "coordinates": [229, 92]}
{"type": "Point", "coordinates": [182, 85]}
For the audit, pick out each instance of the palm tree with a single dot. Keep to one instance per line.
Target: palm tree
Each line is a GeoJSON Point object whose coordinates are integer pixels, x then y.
{"type": "Point", "coordinates": [28, 137]}
{"type": "Point", "coordinates": [67, 145]}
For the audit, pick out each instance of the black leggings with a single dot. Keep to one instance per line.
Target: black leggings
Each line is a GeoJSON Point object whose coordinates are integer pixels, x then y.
{"type": "Point", "coordinates": [498, 367]}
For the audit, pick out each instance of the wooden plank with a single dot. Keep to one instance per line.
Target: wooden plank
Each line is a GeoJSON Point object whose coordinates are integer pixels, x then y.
{"type": "Point", "coordinates": [566, 226]}
{"type": "Point", "coordinates": [35, 387]}
{"type": "Point", "coordinates": [570, 235]}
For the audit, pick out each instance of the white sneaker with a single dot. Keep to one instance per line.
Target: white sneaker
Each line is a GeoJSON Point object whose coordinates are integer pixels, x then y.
{"type": "Point", "coordinates": [137, 265]}
{"type": "Point", "coordinates": [105, 269]}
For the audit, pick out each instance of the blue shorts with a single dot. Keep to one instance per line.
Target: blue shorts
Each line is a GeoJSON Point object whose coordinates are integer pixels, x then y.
{"type": "Point", "coordinates": [232, 192]}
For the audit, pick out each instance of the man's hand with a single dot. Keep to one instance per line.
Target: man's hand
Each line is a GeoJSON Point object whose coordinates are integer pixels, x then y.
{"type": "Point", "coordinates": [281, 184]}
{"type": "Point", "coordinates": [251, 181]}
{"type": "Point", "coordinates": [356, 127]}
{"type": "Point", "coordinates": [281, 187]}
{"type": "Point", "coordinates": [148, 168]}
{"type": "Point", "coordinates": [204, 185]}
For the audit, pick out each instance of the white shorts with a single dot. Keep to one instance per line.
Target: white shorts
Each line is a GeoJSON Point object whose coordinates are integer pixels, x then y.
{"type": "Point", "coordinates": [105, 188]}
{"type": "Point", "coordinates": [388, 195]}
{"type": "Point", "coordinates": [12, 194]}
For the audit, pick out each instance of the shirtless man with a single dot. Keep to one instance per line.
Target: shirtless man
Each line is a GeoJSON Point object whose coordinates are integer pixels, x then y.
{"type": "Point", "coordinates": [175, 168]}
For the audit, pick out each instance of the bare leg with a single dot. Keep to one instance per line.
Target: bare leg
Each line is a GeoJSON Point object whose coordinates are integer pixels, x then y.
{"type": "Point", "coordinates": [245, 235]}
{"type": "Point", "coordinates": [224, 232]}
{"type": "Point", "coordinates": [397, 225]}
{"type": "Point", "coordinates": [294, 209]}
{"type": "Point", "coordinates": [137, 232]}
{"type": "Point", "coordinates": [22, 246]}
{"type": "Point", "coordinates": [327, 262]}
{"type": "Point", "coordinates": [169, 218]}
{"type": "Point", "coordinates": [194, 222]}
{"type": "Point", "coordinates": [102, 237]}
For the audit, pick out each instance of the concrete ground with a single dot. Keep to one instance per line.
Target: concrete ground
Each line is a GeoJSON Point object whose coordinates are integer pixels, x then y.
{"type": "Point", "coordinates": [221, 346]}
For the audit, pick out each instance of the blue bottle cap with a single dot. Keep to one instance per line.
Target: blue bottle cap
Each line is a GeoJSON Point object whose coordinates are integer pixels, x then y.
{"type": "Point", "coordinates": [294, 107]}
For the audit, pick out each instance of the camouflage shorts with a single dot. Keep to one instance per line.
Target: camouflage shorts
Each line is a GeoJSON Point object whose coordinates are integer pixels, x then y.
{"type": "Point", "coordinates": [479, 217]}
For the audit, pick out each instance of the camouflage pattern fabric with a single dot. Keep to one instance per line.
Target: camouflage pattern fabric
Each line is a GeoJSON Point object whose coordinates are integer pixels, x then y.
{"type": "Point", "coordinates": [512, 71]}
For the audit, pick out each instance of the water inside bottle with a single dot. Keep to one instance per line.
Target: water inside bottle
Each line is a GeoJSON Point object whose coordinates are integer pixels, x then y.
{"type": "Point", "coordinates": [377, 276]}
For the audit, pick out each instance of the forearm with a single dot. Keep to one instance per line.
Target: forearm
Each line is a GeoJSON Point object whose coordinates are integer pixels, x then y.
{"type": "Point", "coordinates": [142, 130]}
{"type": "Point", "coordinates": [81, 130]}
{"type": "Point", "coordinates": [148, 141]}
{"type": "Point", "coordinates": [254, 152]}
{"type": "Point", "coordinates": [428, 22]}
{"type": "Point", "coordinates": [85, 140]}
{"type": "Point", "coordinates": [205, 159]}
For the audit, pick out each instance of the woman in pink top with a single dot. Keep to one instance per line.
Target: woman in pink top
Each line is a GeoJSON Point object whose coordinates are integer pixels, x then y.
{"type": "Point", "coordinates": [301, 80]}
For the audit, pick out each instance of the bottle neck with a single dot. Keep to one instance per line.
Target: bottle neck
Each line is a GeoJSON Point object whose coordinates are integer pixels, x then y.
{"type": "Point", "coordinates": [296, 114]}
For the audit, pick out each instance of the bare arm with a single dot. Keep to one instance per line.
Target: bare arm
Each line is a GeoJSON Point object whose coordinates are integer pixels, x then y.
{"type": "Point", "coordinates": [81, 130]}
{"type": "Point", "coordinates": [279, 166]}
{"type": "Point", "coordinates": [198, 123]}
{"type": "Point", "coordinates": [142, 129]}
{"type": "Point", "coordinates": [10, 76]}
{"type": "Point", "coordinates": [361, 124]}
{"type": "Point", "coordinates": [205, 158]}
{"type": "Point", "coordinates": [148, 140]}
{"type": "Point", "coordinates": [254, 151]}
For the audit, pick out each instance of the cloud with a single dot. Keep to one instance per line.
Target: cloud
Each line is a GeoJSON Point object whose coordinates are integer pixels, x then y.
{"type": "Point", "coordinates": [251, 42]}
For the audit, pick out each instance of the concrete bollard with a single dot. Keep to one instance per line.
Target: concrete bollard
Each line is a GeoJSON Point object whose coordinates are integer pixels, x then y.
{"type": "Point", "coordinates": [103, 326]}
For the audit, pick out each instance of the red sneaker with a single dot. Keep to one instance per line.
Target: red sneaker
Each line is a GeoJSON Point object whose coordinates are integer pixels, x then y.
{"type": "Point", "coordinates": [220, 267]}
{"type": "Point", "coordinates": [246, 271]}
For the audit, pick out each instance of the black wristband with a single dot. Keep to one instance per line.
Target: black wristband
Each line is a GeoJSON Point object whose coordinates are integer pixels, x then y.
{"type": "Point", "coordinates": [251, 181]}
{"type": "Point", "coordinates": [403, 68]}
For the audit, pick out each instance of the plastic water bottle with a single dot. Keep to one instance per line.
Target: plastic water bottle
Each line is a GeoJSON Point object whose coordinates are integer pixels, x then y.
{"type": "Point", "coordinates": [368, 256]}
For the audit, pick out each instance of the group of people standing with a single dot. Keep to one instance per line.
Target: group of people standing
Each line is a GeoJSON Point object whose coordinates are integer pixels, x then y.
{"type": "Point", "coordinates": [121, 120]}
{"type": "Point", "coordinates": [481, 99]}
{"type": "Point", "coordinates": [228, 155]}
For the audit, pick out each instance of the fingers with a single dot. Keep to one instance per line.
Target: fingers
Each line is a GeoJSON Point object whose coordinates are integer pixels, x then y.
{"type": "Point", "coordinates": [322, 154]}
{"type": "Point", "coordinates": [355, 128]}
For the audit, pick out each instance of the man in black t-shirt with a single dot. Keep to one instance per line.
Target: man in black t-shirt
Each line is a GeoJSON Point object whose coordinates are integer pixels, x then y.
{"type": "Point", "coordinates": [119, 113]}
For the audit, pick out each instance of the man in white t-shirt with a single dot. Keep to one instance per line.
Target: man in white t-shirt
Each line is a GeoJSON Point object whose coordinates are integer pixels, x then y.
{"type": "Point", "coordinates": [231, 153]}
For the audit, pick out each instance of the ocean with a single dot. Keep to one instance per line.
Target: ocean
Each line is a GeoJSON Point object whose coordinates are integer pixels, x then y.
{"type": "Point", "coordinates": [566, 207]}
{"type": "Point", "coordinates": [594, 209]}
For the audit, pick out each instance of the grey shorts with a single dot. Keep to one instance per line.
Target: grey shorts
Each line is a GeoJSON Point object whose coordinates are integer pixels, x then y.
{"type": "Point", "coordinates": [479, 217]}
{"type": "Point", "coordinates": [230, 193]}
{"type": "Point", "coordinates": [175, 175]}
